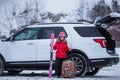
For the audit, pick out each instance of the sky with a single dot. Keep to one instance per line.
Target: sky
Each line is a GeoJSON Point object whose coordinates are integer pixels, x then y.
{"type": "Point", "coordinates": [61, 6]}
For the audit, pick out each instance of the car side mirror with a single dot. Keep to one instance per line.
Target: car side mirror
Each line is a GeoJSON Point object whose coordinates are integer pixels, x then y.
{"type": "Point", "coordinates": [11, 39]}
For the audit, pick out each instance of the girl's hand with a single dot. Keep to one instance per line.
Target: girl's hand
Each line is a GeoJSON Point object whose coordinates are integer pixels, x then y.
{"type": "Point", "coordinates": [69, 49]}
{"type": "Point", "coordinates": [50, 45]}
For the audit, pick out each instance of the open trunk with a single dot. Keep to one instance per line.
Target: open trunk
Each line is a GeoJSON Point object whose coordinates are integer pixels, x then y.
{"type": "Point", "coordinates": [102, 25]}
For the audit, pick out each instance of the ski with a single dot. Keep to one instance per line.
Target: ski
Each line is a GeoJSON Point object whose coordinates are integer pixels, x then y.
{"type": "Point", "coordinates": [51, 55]}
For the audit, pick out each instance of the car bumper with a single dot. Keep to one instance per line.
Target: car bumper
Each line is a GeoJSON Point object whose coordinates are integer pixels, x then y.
{"type": "Point", "coordinates": [104, 62]}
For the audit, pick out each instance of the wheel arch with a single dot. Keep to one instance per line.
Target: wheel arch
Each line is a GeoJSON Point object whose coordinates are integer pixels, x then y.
{"type": "Point", "coordinates": [80, 52]}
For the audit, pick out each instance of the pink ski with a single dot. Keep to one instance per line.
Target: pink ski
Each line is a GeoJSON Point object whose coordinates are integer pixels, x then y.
{"type": "Point", "coordinates": [51, 55]}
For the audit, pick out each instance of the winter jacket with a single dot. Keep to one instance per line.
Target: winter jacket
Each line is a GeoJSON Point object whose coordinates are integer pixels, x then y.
{"type": "Point", "coordinates": [62, 49]}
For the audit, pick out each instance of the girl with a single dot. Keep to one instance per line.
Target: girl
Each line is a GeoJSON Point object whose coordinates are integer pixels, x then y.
{"type": "Point", "coordinates": [61, 48]}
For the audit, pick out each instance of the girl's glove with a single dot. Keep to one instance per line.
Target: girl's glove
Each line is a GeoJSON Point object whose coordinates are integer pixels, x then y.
{"type": "Point", "coordinates": [50, 45]}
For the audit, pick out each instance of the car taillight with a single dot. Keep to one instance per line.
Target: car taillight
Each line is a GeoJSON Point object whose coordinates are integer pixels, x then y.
{"type": "Point", "coordinates": [102, 42]}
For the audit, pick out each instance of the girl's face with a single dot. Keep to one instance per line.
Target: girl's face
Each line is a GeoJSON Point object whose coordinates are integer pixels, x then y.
{"type": "Point", "coordinates": [62, 38]}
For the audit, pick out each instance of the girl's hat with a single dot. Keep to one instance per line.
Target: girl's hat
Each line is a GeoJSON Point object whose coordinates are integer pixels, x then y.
{"type": "Point", "coordinates": [62, 34]}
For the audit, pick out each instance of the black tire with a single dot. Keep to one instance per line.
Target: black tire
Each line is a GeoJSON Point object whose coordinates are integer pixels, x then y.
{"type": "Point", "coordinates": [13, 72]}
{"type": "Point", "coordinates": [81, 63]}
{"type": "Point", "coordinates": [1, 66]}
{"type": "Point", "coordinates": [92, 72]}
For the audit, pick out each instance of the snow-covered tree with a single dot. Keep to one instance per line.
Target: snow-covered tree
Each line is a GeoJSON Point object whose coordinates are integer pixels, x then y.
{"type": "Point", "coordinates": [101, 9]}
{"type": "Point", "coordinates": [19, 13]}
{"type": "Point", "coordinates": [115, 6]}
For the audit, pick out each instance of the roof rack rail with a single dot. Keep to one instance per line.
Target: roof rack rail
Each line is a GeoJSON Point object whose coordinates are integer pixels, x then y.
{"type": "Point", "coordinates": [81, 22]}
{"type": "Point", "coordinates": [85, 21]}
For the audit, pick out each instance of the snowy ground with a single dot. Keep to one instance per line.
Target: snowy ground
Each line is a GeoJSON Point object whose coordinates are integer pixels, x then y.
{"type": "Point", "coordinates": [107, 73]}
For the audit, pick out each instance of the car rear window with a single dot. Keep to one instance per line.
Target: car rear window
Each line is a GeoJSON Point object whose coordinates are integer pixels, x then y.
{"type": "Point", "coordinates": [87, 31]}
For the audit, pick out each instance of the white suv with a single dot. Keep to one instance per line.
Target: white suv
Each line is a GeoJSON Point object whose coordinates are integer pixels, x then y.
{"type": "Point", "coordinates": [91, 47]}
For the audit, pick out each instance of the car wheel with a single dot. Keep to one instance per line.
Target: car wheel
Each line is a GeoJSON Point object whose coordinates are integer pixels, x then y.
{"type": "Point", "coordinates": [1, 66]}
{"type": "Point", "coordinates": [13, 72]}
{"type": "Point", "coordinates": [81, 64]}
{"type": "Point", "coordinates": [92, 72]}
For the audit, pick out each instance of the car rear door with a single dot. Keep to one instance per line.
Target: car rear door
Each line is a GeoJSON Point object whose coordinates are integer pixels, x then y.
{"type": "Point", "coordinates": [102, 25]}
{"type": "Point", "coordinates": [43, 54]}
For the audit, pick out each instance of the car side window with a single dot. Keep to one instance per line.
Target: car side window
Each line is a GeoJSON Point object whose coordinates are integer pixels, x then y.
{"type": "Point", "coordinates": [45, 32]}
{"type": "Point", "coordinates": [88, 31]}
{"type": "Point", "coordinates": [27, 34]}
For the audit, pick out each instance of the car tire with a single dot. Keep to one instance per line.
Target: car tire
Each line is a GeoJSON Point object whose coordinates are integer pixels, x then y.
{"type": "Point", "coordinates": [81, 63]}
{"type": "Point", "coordinates": [13, 72]}
{"type": "Point", "coordinates": [92, 72]}
{"type": "Point", "coordinates": [1, 66]}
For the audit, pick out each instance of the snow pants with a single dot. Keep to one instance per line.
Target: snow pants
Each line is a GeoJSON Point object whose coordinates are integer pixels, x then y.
{"type": "Point", "coordinates": [58, 66]}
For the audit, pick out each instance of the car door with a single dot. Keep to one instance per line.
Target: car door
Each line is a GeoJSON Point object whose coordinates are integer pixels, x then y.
{"type": "Point", "coordinates": [22, 47]}
{"type": "Point", "coordinates": [44, 42]}
{"type": "Point", "coordinates": [102, 25]}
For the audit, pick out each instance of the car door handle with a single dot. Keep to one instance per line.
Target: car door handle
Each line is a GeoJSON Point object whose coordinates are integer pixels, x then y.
{"type": "Point", "coordinates": [30, 43]}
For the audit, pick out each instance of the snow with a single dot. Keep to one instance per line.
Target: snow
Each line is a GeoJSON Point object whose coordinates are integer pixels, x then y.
{"type": "Point", "coordinates": [73, 9]}
{"type": "Point", "coordinates": [109, 2]}
{"type": "Point", "coordinates": [118, 51]}
{"type": "Point", "coordinates": [107, 73]}
{"type": "Point", "coordinates": [14, 24]}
